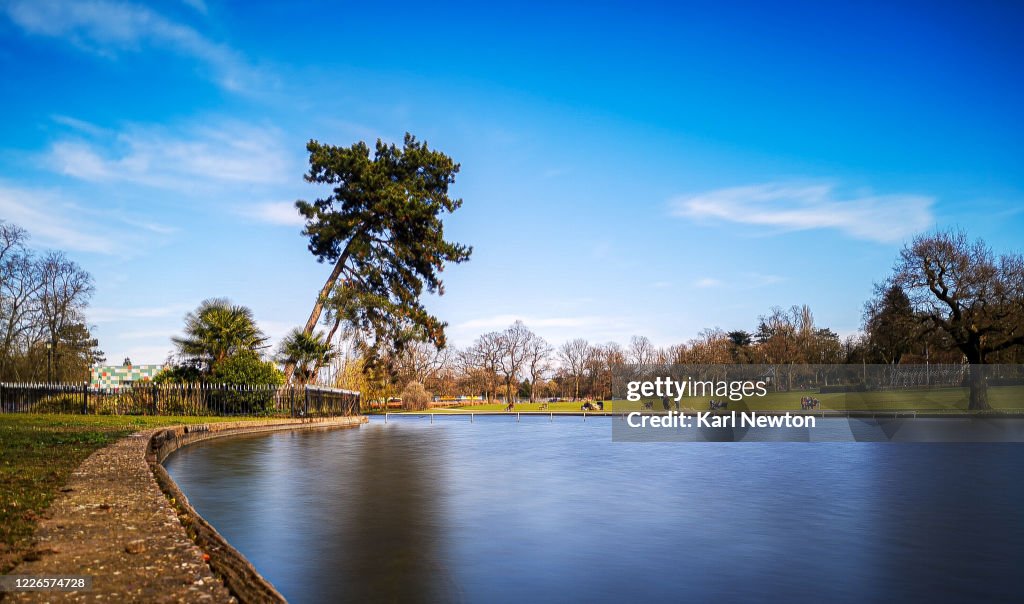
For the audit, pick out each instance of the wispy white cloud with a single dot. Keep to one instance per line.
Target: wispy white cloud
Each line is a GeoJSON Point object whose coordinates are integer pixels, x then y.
{"type": "Point", "coordinates": [55, 220]}
{"type": "Point", "coordinates": [707, 282]}
{"type": "Point", "coordinates": [108, 28]}
{"type": "Point", "coordinates": [273, 212]}
{"type": "Point", "coordinates": [152, 227]}
{"type": "Point", "coordinates": [116, 217]}
{"type": "Point", "coordinates": [230, 153]}
{"type": "Point", "coordinates": [796, 207]}
{"type": "Point", "coordinates": [79, 125]}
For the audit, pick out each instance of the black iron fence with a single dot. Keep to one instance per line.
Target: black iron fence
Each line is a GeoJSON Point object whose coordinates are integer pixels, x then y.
{"type": "Point", "coordinates": [179, 399]}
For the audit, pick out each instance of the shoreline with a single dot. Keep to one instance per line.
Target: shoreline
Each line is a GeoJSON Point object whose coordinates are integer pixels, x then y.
{"type": "Point", "coordinates": [122, 520]}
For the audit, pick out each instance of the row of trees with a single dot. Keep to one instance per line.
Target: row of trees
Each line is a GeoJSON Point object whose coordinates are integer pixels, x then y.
{"type": "Point", "coordinates": [223, 345]}
{"type": "Point", "coordinates": [517, 363]}
{"type": "Point", "coordinates": [949, 300]}
{"type": "Point", "coordinates": [901, 324]}
{"type": "Point", "coordinates": [43, 297]}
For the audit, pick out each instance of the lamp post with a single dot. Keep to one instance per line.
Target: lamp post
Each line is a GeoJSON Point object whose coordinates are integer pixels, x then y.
{"type": "Point", "coordinates": [49, 361]}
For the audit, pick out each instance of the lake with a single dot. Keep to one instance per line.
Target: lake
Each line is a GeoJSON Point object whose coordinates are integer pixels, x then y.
{"type": "Point", "coordinates": [554, 511]}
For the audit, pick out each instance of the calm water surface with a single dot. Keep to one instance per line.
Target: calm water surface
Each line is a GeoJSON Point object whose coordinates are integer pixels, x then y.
{"type": "Point", "coordinates": [539, 511]}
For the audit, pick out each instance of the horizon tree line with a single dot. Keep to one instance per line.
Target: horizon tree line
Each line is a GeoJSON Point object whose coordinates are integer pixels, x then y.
{"type": "Point", "coordinates": [901, 324]}
{"type": "Point", "coordinates": [949, 300]}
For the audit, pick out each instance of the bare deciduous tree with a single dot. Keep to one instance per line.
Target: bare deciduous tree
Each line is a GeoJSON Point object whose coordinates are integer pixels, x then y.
{"type": "Point", "coordinates": [513, 344]}
{"type": "Point", "coordinates": [574, 354]}
{"type": "Point", "coordinates": [641, 351]}
{"type": "Point", "coordinates": [961, 289]}
{"type": "Point", "coordinates": [20, 284]}
{"type": "Point", "coordinates": [481, 361]}
{"type": "Point", "coordinates": [66, 289]}
{"type": "Point", "coordinates": [420, 362]}
{"type": "Point", "coordinates": [42, 304]}
{"type": "Point", "coordinates": [538, 363]}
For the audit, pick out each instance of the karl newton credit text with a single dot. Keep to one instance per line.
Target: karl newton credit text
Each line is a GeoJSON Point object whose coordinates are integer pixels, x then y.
{"type": "Point", "coordinates": [708, 419]}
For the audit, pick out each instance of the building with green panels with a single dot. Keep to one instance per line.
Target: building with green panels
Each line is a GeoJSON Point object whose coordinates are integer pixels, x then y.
{"type": "Point", "coordinates": [116, 376]}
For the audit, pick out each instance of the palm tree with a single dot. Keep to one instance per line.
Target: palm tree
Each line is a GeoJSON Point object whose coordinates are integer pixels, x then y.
{"type": "Point", "coordinates": [217, 330]}
{"type": "Point", "coordinates": [306, 352]}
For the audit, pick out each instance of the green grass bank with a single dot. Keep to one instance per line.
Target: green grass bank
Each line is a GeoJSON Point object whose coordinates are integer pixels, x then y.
{"type": "Point", "coordinates": [39, 452]}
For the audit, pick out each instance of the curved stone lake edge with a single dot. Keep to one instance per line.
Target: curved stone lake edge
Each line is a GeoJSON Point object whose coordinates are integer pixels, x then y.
{"type": "Point", "coordinates": [238, 574]}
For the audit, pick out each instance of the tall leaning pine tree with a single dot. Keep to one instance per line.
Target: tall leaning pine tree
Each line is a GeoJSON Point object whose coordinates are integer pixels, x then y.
{"type": "Point", "coordinates": [381, 228]}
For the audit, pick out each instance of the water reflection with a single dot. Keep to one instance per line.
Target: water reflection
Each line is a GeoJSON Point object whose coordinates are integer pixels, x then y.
{"type": "Point", "coordinates": [389, 530]}
{"type": "Point", "coordinates": [326, 512]}
{"type": "Point", "coordinates": [554, 511]}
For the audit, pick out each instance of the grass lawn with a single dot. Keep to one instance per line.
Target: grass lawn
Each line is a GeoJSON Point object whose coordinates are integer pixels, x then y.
{"type": "Point", "coordinates": [936, 399]}
{"type": "Point", "coordinates": [38, 454]}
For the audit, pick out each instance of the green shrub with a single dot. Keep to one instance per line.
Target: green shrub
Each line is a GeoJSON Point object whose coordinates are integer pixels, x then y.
{"type": "Point", "coordinates": [246, 368]}
{"type": "Point", "coordinates": [178, 374]}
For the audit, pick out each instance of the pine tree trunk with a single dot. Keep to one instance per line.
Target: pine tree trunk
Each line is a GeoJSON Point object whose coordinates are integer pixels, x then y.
{"type": "Point", "coordinates": [330, 336]}
{"type": "Point", "coordinates": [318, 307]}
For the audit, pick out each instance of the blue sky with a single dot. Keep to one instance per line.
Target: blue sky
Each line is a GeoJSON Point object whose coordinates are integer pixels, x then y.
{"type": "Point", "coordinates": [632, 168]}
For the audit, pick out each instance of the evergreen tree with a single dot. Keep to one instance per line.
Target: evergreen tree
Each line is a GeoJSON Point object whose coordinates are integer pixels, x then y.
{"type": "Point", "coordinates": [381, 229]}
